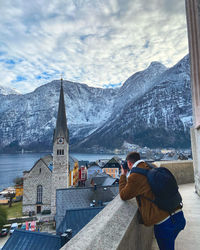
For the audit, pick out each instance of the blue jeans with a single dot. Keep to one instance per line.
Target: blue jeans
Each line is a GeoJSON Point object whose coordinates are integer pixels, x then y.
{"type": "Point", "coordinates": [167, 231]}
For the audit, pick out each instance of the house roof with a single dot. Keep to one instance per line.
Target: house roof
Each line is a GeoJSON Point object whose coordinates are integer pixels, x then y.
{"type": "Point", "coordinates": [26, 240]}
{"type": "Point", "coordinates": [73, 198]}
{"type": "Point", "coordinates": [94, 163]}
{"type": "Point", "coordinates": [76, 219]}
{"type": "Point", "coordinates": [113, 163]}
{"type": "Point", "coordinates": [108, 181]}
{"type": "Point", "coordinates": [101, 179]}
{"type": "Point", "coordinates": [76, 198]}
{"type": "Point", "coordinates": [93, 167]}
{"type": "Point", "coordinates": [84, 163]}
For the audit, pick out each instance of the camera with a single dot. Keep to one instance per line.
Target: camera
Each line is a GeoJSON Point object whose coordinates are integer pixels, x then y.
{"type": "Point", "coordinates": [125, 165]}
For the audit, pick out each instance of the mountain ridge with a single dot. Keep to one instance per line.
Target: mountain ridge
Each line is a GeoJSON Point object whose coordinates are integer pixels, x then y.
{"type": "Point", "coordinates": [104, 118]}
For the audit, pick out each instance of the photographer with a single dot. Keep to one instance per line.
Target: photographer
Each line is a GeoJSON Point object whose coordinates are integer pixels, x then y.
{"type": "Point", "coordinates": [166, 226]}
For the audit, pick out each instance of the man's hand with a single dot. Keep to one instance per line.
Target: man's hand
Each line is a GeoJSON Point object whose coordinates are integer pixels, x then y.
{"type": "Point", "coordinates": [123, 172]}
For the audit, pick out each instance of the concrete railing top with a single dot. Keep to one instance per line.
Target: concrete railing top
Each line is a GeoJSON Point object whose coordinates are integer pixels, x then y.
{"type": "Point", "coordinates": [115, 227]}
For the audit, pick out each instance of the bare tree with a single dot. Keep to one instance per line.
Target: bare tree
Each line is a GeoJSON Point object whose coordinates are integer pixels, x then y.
{"type": "Point", "coordinates": [10, 196]}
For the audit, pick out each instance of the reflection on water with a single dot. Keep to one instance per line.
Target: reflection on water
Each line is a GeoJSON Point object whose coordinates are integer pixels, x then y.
{"type": "Point", "coordinates": [13, 165]}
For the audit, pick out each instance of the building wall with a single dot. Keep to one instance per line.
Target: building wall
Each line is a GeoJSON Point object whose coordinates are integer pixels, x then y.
{"type": "Point", "coordinates": [30, 208]}
{"type": "Point", "coordinates": [39, 175]}
{"type": "Point", "coordinates": [75, 174]}
{"type": "Point", "coordinates": [193, 25]}
{"type": "Point", "coordinates": [114, 172]}
{"type": "Point", "coordinates": [182, 170]}
{"type": "Point", "coordinates": [19, 190]}
{"type": "Point", "coordinates": [195, 141]}
{"type": "Point", "coordinates": [70, 178]}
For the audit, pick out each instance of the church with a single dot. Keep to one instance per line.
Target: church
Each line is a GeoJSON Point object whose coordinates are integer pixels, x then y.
{"type": "Point", "coordinates": [50, 172]}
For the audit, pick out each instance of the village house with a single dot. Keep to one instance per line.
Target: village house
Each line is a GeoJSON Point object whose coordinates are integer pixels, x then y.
{"type": "Point", "coordinates": [112, 167]}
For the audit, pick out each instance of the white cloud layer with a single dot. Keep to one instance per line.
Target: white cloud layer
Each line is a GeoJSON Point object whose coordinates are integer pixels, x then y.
{"type": "Point", "coordinates": [97, 42]}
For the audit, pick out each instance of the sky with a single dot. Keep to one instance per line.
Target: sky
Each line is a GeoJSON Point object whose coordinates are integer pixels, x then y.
{"type": "Point", "coordinates": [97, 42]}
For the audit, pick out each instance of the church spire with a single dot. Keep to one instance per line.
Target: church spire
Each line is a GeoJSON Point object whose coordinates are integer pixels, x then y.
{"type": "Point", "coordinates": [61, 124]}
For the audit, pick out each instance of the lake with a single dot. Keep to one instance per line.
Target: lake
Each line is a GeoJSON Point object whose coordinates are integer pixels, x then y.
{"type": "Point", "coordinates": [13, 165]}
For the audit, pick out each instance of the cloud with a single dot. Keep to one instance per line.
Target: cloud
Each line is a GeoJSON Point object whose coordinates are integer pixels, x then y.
{"type": "Point", "coordinates": [100, 43]}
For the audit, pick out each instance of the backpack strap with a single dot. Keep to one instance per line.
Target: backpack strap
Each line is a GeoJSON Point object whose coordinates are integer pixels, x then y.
{"type": "Point", "coordinates": [140, 171]}
{"type": "Point", "coordinates": [150, 165]}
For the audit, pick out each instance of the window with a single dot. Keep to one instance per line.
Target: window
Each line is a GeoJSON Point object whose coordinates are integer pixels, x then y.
{"type": "Point", "coordinates": [60, 151]}
{"type": "Point", "coordinates": [39, 194]}
{"type": "Point", "coordinates": [40, 170]}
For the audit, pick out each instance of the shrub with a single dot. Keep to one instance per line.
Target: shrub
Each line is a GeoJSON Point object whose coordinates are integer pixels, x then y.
{"type": "Point", "coordinates": [3, 217]}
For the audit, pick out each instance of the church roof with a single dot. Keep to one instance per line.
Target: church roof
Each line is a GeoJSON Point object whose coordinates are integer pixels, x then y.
{"type": "Point", "coordinates": [47, 160]}
{"type": "Point", "coordinates": [27, 240]}
{"type": "Point", "coordinates": [76, 219]}
{"type": "Point", "coordinates": [61, 124]}
{"type": "Point", "coordinates": [50, 166]}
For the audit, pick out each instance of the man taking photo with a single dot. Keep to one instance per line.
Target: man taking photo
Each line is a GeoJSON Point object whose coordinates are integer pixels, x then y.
{"type": "Point", "coordinates": [166, 225]}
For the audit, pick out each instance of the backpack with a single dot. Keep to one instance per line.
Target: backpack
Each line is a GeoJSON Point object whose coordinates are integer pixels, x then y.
{"type": "Point", "coordinates": [163, 185]}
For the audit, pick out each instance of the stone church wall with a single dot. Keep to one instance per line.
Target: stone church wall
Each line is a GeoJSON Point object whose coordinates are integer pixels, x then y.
{"type": "Point", "coordinates": [38, 175]}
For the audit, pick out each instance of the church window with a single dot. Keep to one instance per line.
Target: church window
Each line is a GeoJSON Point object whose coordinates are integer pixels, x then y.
{"type": "Point", "coordinates": [40, 170]}
{"type": "Point", "coordinates": [39, 194]}
{"type": "Point", "coordinates": [60, 151]}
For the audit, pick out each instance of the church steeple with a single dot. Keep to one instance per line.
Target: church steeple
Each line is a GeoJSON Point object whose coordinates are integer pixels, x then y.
{"type": "Point", "coordinates": [61, 124]}
{"type": "Point", "coordinates": [60, 172]}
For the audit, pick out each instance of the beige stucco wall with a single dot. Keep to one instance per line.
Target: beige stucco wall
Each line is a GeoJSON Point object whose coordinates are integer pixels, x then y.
{"type": "Point", "coordinates": [195, 141]}
{"type": "Point", "coordinates": [193, 26]}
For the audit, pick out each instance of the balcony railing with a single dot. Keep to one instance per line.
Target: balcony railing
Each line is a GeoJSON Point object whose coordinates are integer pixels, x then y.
{"type": "Point", "coordinates": [117, 225]}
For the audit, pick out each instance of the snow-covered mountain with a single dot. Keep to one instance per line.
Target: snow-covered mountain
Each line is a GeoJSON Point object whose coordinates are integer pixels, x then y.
{"type": "Point", "coordinates": [152, 108]}
{"type": "Point", "coordinates": [160, 117]}
{"type": "Point", "coordinates": [8, 91]}
{"type": "Point", "coordinates": [29, 119]}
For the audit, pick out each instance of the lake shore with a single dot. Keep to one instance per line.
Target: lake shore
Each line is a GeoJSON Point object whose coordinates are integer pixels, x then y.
{"type": "Point", "coordinates": [13, 165]}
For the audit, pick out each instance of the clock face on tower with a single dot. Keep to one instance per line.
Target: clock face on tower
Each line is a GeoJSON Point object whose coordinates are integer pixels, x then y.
{"type": "Point", "coordinates": [60, 140]}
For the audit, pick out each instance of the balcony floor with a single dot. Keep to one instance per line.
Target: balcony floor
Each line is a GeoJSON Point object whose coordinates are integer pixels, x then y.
{"type": "Point", "coordinates": [190, 237]}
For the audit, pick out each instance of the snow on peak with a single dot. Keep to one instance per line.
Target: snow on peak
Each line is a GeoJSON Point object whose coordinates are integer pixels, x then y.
{"type": "Point", "coordinates": [156, 64]}
{"type": "Point", "coordinates": [8, 91]}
